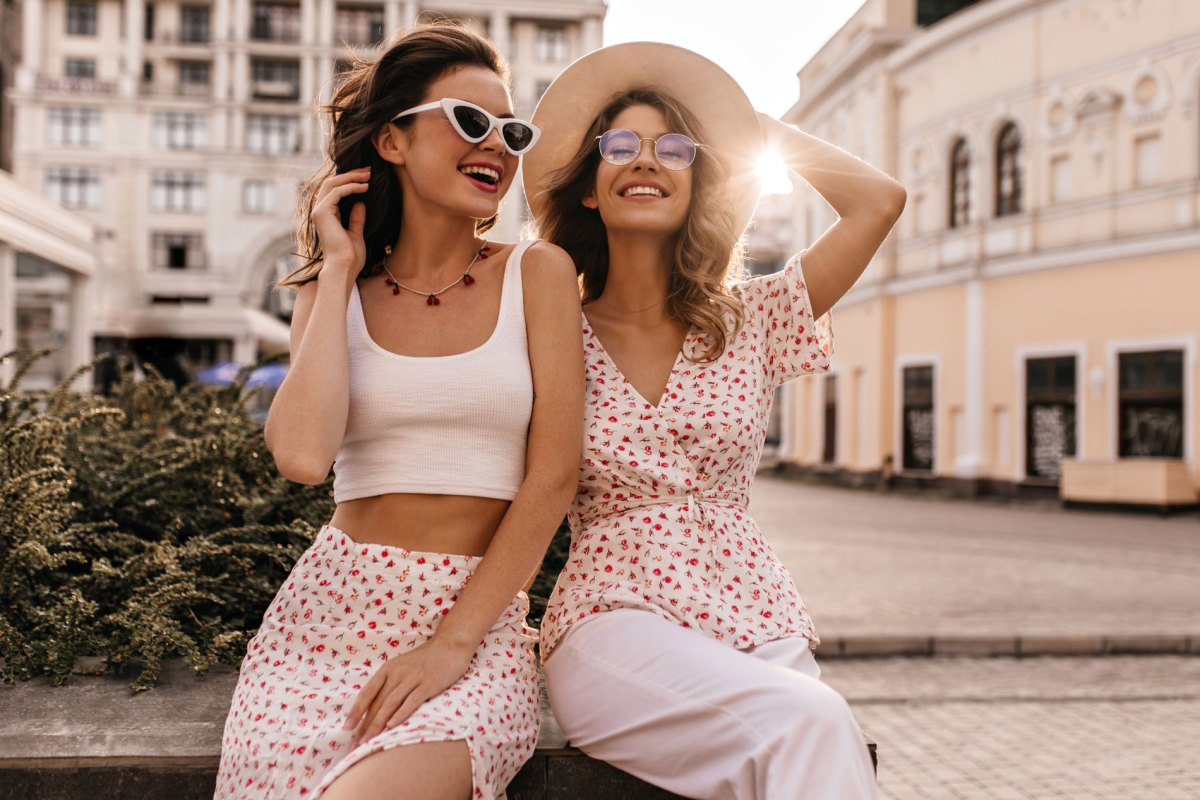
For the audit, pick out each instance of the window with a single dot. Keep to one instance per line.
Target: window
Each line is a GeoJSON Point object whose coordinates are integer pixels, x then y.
{"type": "Point", "coordinates": [258, 197]}
{"type": "Point", "coordinates": [193, 24]}
{"type": "Point", "coordinates": [1150, 397]}
{"type": "Point", "coordinates": [829, 451]}
{"type": "Point", "coordinates": [81, 17]}
{"type": "Point", "coordinates": [180, 130]}
{"type": "Point", "coordinates": [1008, 171]}
{"type": "Point", "coordinates": [1049, 415]}
{"type": "Point", "coordinates": [1060, 178]}
{"type": "Point", "coordinates": [74, 127]}
{"type": "Point", "coordinates": [80, 68]}
{"type": "Point", "coordinates": [551, 47]}
{"type": "Point", "coordinates": [147, 71]}
{"type": "Point", "coordinates": [359, 26]}
{"type": "Point", "coordinates": [73, 187]}
{"type": "Point", "coordinates": [1148, 159]}
{"type": "Point", "coordinates": [276, 22]}
{"type": "Point", "coordinates": [275, 80]}
{"type": "Point", "coordinates": [960, 184]}
{"type": "Point", "coordinates": [918, 419]}
{"type": "Point", "coordinates": [193, 78]}
{"type": "Point", "coordinates": [148, 18]}
{"type": "Point", "coordinates": [177, 250]}
{"type": "Point", "coordinates": [177, 190]}
{"type": "Point", "coordinates": [268, 133]}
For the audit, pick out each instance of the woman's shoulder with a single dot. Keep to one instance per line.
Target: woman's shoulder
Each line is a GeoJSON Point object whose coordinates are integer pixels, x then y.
{"type": "Point", "coordinates": [764, 283]}
{"type": "Point", "coordinates": [545, 261]}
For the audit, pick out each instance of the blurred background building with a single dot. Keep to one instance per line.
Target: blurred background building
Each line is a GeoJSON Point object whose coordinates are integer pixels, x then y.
{"type": "Point", "coordinates": [181, 132]}
{"type": "Point", "coordinates": [1032, 323]}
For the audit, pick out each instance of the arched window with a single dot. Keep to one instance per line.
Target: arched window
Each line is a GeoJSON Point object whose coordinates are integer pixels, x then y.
{"type": "Point", "coordinates": [1008, 171]}
{"type": "Point", "coordinates": [960, 184]}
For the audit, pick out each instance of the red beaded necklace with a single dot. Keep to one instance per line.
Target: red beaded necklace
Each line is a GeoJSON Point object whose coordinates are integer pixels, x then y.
{"type": "Point", "coordinates": [431, 298]}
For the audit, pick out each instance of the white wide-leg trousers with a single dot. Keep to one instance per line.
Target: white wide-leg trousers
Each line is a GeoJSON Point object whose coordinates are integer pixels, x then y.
{"type": "Point", "coordinates": [702, 719]}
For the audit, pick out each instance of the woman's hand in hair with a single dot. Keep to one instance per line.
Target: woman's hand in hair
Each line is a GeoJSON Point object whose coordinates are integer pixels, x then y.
{"type": "Point", "coordinates": [343, 246]}
{"type": "Point", "coordinates": [401, 685]}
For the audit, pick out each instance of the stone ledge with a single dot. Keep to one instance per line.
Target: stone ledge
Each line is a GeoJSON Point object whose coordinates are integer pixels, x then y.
{"type": "Point", "coordinates": [840, 647]}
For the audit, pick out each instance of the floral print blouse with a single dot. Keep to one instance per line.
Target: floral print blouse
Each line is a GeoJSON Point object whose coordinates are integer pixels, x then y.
{"type": "Point", "coordinates": [660, 521]}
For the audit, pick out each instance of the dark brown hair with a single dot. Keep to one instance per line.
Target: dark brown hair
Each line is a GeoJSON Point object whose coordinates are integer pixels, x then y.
{"type": "Point", "coordinates": [371, 93]}
{"type": "Point", "coordinates": [707, 248]}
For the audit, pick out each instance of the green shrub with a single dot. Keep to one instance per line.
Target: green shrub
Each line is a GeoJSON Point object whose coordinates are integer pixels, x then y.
{"type": "Point", "coordinates": [146, 524]}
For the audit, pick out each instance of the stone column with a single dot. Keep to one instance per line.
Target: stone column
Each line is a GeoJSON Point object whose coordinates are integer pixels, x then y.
{"type": "Point", "coordinates": [241, 21]}
{"type": "Point", "coordinates": [222, 36]}
{"type": "Point", "coordinates": [31, 46]}
{"type": "Point", "coordinates": [411, 12]}
{"type": "Point", "coordinates": [393, 17]}
{"type": "Point", "coordinates": [969, 461]}
{"type": "Point", "coordinates": [80, 344]}
{"type": "Point", "coordinates": [498, 31]}
{"type": "Point", "coordinates": [135, 24]}
{"type": "Point", "coordinates": [8, 309]}
{"type": "Point", "coordinates": [308, 23]}
{"type": "Point", "coordinates": [592, 35]}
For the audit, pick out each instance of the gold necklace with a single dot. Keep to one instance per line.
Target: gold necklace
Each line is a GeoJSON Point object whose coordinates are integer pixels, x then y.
{"type": "Point", "coordinates": [431, 298]}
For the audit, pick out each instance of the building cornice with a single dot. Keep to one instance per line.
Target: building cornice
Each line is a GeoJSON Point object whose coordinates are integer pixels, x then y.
{"type": "Point", "coordinates": [1062, 258]}
{"type": "Point", "coordinates": [960, 24]}
{"type": "Point", "coordinates": [864, 49]}
{"type": "Point", "coordinates": [33, 224]}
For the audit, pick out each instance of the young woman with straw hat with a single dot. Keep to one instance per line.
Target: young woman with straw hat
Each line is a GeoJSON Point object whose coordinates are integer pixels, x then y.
{"type": "Point", "coordinates": [672, 607]}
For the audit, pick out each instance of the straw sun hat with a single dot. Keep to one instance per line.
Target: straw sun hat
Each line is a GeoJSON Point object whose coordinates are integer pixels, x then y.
{"type": "Point", "coordinates": [728, 121]}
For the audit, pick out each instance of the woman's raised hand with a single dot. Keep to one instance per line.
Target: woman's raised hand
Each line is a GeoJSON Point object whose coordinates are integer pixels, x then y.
{"type": "Point", "coordinates": [343, 246]}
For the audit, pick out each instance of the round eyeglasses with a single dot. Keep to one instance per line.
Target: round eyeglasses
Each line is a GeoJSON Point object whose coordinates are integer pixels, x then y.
{"type": "Point", "coordinates": [673, 150]}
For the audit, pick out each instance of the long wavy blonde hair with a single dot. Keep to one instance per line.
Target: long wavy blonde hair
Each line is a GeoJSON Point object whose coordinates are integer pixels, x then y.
{"type": "Point", "coordinates": [707, 248]}
{"type": "Point", "coordinates": [372, 92]}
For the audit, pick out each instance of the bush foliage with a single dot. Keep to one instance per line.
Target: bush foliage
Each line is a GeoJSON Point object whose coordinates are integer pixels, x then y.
{"type": "Point", "coordinates": [146, 524]}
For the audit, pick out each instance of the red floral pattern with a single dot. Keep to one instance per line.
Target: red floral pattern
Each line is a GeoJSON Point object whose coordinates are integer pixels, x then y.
{"type": "Point", "coordinates": [346, 608]}
{"type": "Point", "coordinates": [660, 520]}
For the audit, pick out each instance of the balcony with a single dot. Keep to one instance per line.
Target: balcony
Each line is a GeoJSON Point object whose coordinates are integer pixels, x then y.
{"type": "Point", "coordinates": [81, 86]}
{"type": "Point", "coordinates": [198, 91]}
{"type": "Point", "coordinates": [276, 91]}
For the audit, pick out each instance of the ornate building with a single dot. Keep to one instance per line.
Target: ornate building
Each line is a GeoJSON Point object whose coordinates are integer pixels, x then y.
{"type": "Point", "coordinates": [182, 130]}
{"type": "Point", "coordinates": [1032, 323]}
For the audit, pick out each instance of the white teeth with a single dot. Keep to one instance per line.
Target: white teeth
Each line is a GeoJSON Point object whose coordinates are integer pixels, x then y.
{"type": "Point", "coordinates": [634, 191]}
{"type": "Point", "coordinates": [486, 172]}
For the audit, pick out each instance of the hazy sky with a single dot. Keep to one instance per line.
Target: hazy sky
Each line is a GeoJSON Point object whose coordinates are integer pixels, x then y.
{"type": "Point", "coordinates": [761, 43]}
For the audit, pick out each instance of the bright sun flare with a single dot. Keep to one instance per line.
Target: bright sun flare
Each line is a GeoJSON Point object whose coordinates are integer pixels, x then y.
{"type": "Point", "coordinates": [774, 174]}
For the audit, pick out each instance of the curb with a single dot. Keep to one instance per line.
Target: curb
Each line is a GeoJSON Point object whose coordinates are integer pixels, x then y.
{"type": "Point", "coordinates": [848, 647]}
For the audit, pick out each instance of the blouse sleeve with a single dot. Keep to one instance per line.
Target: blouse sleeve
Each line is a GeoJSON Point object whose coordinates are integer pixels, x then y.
{"type": "Point", "coordinates": [777, 305]}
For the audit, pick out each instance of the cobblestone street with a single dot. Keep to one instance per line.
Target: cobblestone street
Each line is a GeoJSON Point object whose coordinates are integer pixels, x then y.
{"type": "Point", "coordinates": [1120, 727]}
{"type": "Point", "coordinates": [876, 564]}
{"type": "Point", "coordinates": [873, 564]}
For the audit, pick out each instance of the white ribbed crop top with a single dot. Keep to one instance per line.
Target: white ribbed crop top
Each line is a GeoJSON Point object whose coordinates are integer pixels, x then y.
{"type": "Point", "coordinates": [442, 424]}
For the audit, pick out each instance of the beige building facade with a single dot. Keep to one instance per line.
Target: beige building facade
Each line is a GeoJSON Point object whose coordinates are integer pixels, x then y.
{"type": "Point", "coordinates": [182, 130]}
{"type": "Point", "coordinates": [1032, 323]}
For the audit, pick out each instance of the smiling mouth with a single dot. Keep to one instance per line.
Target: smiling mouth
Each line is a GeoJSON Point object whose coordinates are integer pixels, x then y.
{"type": "Point", "coordinates": [482, 174]}
{"type": "Point", "coordinates": [642, 191]}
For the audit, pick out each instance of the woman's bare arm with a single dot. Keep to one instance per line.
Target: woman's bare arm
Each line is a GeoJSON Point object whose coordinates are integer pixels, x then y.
{"type": "Point", "coordinates": [867, 202]}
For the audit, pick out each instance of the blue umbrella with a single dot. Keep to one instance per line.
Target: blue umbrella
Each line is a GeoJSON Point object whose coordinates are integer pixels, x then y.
{"type": "Point", "coordinates": [225, 373]}
{"type": "Point", "coordinates": [270, 375]}
{"type": "Point", "coordinates": [221, 374]}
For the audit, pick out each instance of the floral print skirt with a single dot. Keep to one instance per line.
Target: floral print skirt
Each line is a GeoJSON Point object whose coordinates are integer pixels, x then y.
{"type": "Point", "coordinates": [346, 608]}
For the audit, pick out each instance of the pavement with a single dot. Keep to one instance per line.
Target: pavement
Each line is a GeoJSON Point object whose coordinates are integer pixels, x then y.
{"type": "Point", "coordinates": [872, 564]}
{"type": "Point", "coordinates": [885, 569]}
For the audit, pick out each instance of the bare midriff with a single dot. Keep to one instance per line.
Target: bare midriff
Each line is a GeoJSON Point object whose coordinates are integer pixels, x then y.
{"type": "Point", "coordinates": [432, 523]}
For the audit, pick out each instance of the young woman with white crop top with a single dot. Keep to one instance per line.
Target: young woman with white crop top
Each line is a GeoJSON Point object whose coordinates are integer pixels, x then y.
{"type": "Point", "coordinates": [441, 377]}
{"type": "Point", "coordinates": [671, 605]}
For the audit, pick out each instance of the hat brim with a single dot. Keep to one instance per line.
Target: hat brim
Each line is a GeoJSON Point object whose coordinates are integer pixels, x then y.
{"type": "Point", "coordinates": [577, 96]}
